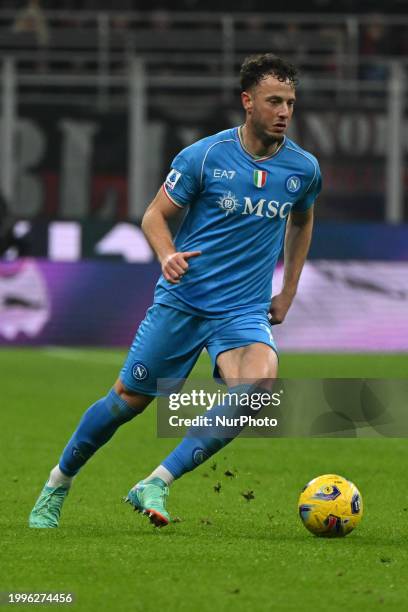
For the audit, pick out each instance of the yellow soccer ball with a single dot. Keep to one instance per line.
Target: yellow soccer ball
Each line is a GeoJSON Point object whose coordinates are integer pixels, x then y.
{"type": "Point", "coordinates": [330, 506]}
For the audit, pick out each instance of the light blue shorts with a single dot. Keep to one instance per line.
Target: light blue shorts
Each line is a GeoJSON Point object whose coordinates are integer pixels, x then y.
{"type": "Point", "coordinates": [169, 342]}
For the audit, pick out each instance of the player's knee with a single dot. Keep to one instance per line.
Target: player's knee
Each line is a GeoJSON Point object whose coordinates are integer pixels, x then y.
{"type": "Point", "coordinates": [137, 401]}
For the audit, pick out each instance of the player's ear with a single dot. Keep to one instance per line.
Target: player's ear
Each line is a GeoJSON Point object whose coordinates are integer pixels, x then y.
{"type": "Point", "coordinates": [246, 99]}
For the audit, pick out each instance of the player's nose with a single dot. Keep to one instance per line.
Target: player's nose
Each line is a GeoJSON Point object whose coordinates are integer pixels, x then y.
{"type": "Point", "coordinates": [284, 110]}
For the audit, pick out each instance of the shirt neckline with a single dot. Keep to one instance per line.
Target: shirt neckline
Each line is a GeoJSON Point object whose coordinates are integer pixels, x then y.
{"type": "Point", "coordinates": [253, 157]}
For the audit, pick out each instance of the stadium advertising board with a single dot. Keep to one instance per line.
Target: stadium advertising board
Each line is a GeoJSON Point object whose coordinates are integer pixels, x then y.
{"type": "Point", "coordinates": [73, 164]}
{"type": "Point", "coordinates": [348, 305]}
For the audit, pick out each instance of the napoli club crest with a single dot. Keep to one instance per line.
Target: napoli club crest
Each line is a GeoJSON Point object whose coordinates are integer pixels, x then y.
{"type": "Point", "coordinates": [293, 183]}
{"type": "Point", "coordinates": [139, 371]}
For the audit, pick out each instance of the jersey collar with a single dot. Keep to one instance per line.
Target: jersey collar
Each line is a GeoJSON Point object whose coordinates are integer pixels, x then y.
{"type": "Point", "coordinates": [255, 158]}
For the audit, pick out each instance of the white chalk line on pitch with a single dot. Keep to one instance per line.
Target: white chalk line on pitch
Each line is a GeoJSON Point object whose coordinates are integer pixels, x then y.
{"type": "Point", "coordinates": [83, 355]}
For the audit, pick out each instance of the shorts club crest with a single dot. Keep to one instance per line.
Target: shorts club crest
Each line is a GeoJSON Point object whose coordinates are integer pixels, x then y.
{"type": "Point", "coordinates": [139, 371]}
{"type": "Point", "coordinates": [169, 342]}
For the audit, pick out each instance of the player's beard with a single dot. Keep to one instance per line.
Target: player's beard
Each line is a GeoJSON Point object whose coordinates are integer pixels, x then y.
{"type": "Point", "coordinates": [267, 139]}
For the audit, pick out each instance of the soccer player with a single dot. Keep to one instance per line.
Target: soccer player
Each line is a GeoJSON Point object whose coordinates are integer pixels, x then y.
{"type": "Point", "coordinates": [248, 189]}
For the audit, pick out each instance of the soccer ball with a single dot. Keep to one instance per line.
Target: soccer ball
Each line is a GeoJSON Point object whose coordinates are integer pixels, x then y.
{"type": "Point", "coordinates": [330, 506]}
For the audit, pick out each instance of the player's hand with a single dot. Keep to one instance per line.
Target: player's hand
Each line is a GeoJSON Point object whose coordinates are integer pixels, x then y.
{"type": "Point", "coordinates": [175, 265]}
{"type": "Point", "coordinates": [279, 307]}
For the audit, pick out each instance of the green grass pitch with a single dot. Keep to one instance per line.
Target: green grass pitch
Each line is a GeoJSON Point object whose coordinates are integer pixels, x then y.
{"type": "Point", "coordinates": [226, 553]}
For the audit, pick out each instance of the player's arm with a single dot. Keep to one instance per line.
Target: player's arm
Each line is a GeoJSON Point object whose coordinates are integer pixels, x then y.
{"type": "Point", "coordinates": [297, 241]}
{"type": "Point", "coordinates": [155, 226]}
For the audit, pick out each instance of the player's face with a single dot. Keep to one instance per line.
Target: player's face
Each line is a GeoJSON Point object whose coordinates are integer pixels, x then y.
{"type": "Point", "coordinates": [269, 108]}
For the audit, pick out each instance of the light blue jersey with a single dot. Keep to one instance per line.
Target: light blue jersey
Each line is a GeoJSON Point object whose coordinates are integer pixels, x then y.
{"type": "Point", "coordinates": [238, 208]}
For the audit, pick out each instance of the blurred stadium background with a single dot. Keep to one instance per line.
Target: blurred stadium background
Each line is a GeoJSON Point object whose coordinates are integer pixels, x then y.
{"type": "Point", "coordinates": [96, 101]}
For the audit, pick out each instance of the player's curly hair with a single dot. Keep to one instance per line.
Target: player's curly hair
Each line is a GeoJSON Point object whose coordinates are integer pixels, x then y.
{"type": "Point", "coordinates": [257, 67]}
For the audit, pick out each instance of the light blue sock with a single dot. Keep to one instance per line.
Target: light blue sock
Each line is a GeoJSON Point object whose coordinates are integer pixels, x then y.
{"type": "Point", "coordinates": [199, 443]}
{"type": "Point", "coordinates": [96, 427]}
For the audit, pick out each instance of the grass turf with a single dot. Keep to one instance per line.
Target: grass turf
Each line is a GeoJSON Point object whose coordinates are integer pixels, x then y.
{"type": "Point", "coordinates": [225, 552]}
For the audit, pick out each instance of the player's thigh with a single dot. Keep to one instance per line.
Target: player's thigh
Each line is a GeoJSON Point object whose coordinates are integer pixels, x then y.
{"type": "Point", "coordinates": [166, 346]}
{"type": "Point", "coordinates": [243, 347]}
{"type": "Point", "coordinates": [255, 361]}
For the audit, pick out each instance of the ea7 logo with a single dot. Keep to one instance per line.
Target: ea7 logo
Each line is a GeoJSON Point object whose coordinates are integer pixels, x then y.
{"type": "Point", "coordinates": [228, 174]}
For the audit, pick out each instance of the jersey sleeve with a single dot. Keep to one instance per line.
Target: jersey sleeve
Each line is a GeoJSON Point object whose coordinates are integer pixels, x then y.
{"type": "Point", "coordinates": [182, 184]}
{"type": "Point", "coordinates": [311, 193]}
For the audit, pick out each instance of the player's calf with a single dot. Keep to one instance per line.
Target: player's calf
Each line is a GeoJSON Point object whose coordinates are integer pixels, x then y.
{"type": "Point", "coordinates": [96, 427]}
{"type": "Point", "coordinates": [149, 495]}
